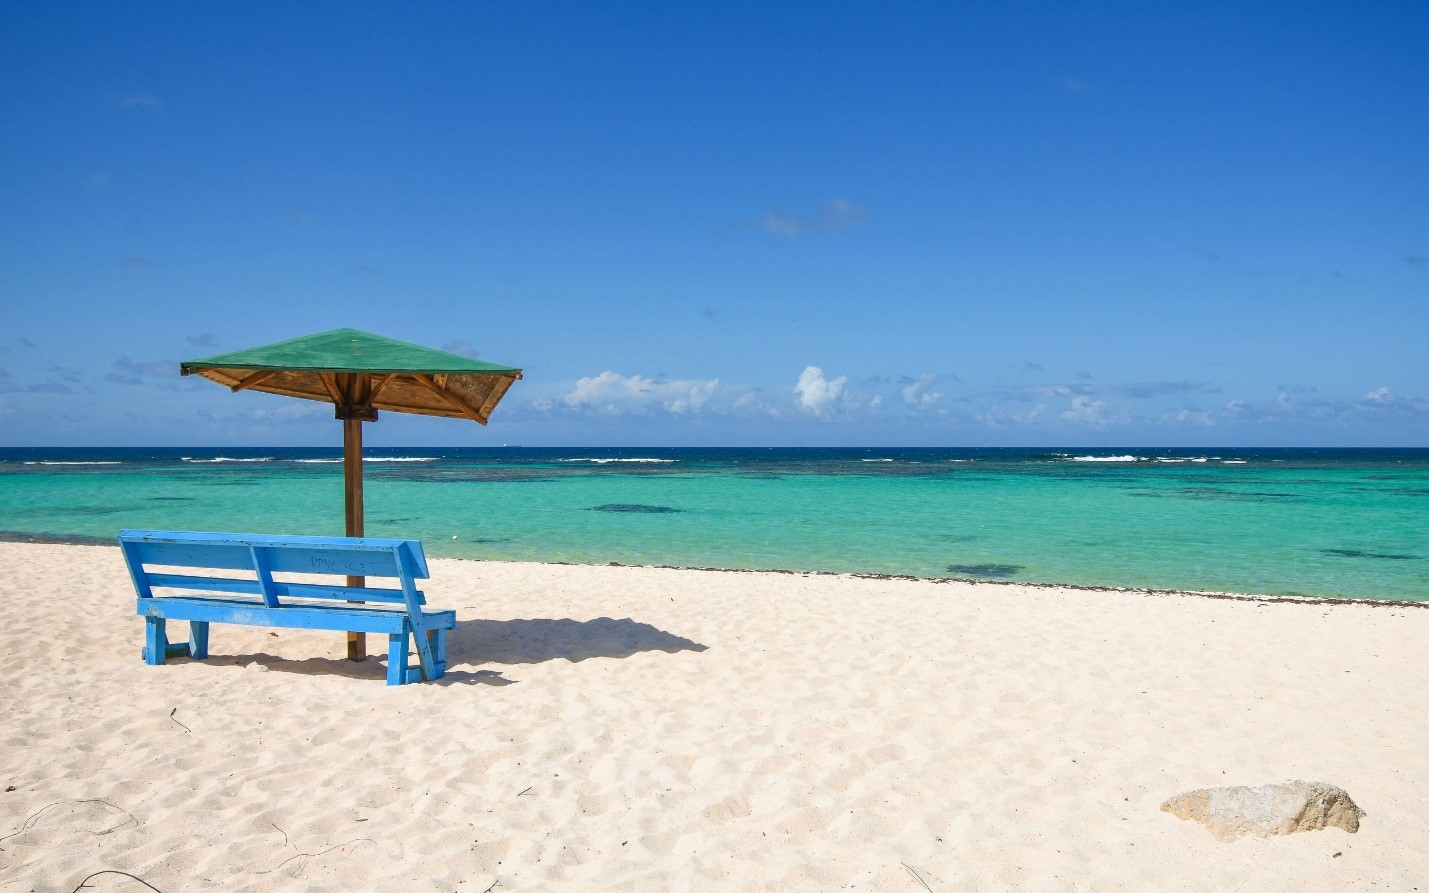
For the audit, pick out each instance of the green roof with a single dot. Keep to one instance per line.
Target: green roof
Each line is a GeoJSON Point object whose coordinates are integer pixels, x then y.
{"type": "Point", "coordinates": [346, 350]}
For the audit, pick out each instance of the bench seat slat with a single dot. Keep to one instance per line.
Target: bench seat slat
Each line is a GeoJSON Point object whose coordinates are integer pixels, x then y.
{"type": "Point", "coordinates": [290, 590]}
{"type": "Point", "coordinates": [255, 613]}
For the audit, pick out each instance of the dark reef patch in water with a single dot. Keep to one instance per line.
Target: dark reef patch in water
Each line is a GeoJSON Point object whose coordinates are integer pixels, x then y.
{"type": "Point", "coordinates": [634, 508]}
{"type": "Point", "coordinates": [44, 510]}
{"type": "Point", "coordinates": [1359, 553]}
{"type": "Point", "coordinates": [992, 571]}
{"type": "Point", "coordinates": [1214, 493]}
{"type": "Point", "coordinates": [498, 476]}
{"type": "Point", "coordinates": [64, 539]}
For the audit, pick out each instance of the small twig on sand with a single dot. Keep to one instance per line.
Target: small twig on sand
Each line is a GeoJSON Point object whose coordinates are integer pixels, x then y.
{"type": "Point", "coordinates": [113, 871]}
{"type": "Point", "coordinates": [492, 887]}
{"type": "Point", "coordinates": [527, 791]}
{"type": "Point", "coordinates": [30, 822]}
{"type": "Point", "coordinates": [315, 855]}
{"type": "Point", "coordinates": [916, 876]}
{"type": "Point", "coordinates": [282, 832]}
{"type": "Point", "coordinates": [181, 725]}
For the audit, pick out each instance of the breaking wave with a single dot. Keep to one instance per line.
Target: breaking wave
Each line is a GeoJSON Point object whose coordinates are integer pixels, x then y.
{"type": "Point", "coordinates": [608, 461]}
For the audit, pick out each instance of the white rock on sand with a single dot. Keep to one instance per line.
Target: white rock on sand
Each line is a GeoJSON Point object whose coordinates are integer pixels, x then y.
{"type": "Point", "coordinates": [616, 728]}
{"type": "Point", "coordinates": [1268, 810]}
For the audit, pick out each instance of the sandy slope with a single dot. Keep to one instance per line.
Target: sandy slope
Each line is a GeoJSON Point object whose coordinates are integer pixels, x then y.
{"type": "Point", "coordinates": [727, 731]}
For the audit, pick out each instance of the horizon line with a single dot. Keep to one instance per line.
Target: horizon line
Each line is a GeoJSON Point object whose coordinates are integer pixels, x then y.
{"type": "Point", "coordinates": [338, 448]}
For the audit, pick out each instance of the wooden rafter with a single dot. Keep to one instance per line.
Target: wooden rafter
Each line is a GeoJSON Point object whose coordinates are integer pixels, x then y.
{"type": "Point", "coordinates": [252, 379]}
{"type": "Point", "coordinates": [329, 381]}
{"type": "Point", "coordinates": [378, 384]}
{"type": "Point", "coordinates": [497, 392]}
{"type": "Point", "coordinates": [456, 402]}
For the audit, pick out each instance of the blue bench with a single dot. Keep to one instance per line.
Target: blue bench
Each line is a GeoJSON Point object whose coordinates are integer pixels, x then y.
{"type": "Point", "coordinates": [210, 598]}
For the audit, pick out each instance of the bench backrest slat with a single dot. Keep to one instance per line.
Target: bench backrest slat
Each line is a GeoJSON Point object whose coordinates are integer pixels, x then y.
{"type": "Point", "coordinates": [265, 555]}
{"type": "Point", "coordinates": [280, 559]}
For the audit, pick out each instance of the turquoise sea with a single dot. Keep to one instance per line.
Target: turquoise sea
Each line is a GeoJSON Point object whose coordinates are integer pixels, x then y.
{"type": "Point", "coordinates": [1340, 523]}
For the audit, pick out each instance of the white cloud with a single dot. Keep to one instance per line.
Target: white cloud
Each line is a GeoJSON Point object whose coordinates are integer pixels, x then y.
{"type": "Point", "coordinates": [1114, 406]}
{"type": "Point", "coordinates": [996, 417]}
{"type": "Point", "coordinates": [132, 372]}
{"type": "Point", "coordinates": [818, 394]}
{"type": "Point", "coordinates": [752, 404]}
{"type": "Point", "coordinates": [840, 213]}
{"type": "Point", "coordinates": [464, 348]}
{"type": "Point", "coordinates": [917, 394]}
{"type": "Point", "coordinates": [141, 101]}
{"type": "Point", "coordinates": [291, 409]}
{"type": "Point", "coordinates": [277, 411]}
{"type": "Point", "coordinates": [1189, 417]}
{"type": "Point", "coordinates": [1086, 411]}
{"type": "Point", "coordinates": [614, 393]}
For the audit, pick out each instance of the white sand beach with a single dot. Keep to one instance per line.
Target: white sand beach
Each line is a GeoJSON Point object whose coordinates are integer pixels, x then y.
{"type": "Point", "coordinates": [636, 729]}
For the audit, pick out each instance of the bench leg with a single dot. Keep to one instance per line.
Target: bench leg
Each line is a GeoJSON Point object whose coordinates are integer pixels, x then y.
{"type": "Point", "coordinates": [397, 658]}
{"type": "Point", "coordinates": [425, 659]}
{"type": "Point", "coordinates": [198, 639]}
{"type": "Point", "coordinates": [438, 640]}
{"type": "Point", "coordinates": [156, 641]}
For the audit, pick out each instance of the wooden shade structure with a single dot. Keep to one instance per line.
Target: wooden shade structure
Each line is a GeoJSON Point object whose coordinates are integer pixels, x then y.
{"type": "Point", "coordinates": [359, 374]}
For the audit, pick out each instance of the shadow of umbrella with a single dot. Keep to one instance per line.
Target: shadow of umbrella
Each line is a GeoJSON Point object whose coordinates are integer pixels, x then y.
{"type": "Point", "coordinates": [541, 639]}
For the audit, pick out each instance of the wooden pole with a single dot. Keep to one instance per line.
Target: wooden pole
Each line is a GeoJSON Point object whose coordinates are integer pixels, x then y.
{"type": "Point", "coordinates": [352, 504]}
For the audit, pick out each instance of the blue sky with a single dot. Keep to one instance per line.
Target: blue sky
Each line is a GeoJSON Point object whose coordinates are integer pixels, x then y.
{"type": "Point", "coordinates": [724, 224]}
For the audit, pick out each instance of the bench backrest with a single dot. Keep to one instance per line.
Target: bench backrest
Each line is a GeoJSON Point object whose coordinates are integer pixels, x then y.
{"type": "Point", "coordinates": [265, 555]}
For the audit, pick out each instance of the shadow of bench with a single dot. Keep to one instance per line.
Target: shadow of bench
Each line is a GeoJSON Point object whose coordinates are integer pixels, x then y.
{"type": "Point", "coordinates": [504, 643]}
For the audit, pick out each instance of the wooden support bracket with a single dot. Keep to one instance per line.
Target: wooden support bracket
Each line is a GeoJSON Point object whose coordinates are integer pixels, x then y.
{"type": "Point", "coordinates": [249, 381]}
{"type": "Point", "coordinates": [452, 400]}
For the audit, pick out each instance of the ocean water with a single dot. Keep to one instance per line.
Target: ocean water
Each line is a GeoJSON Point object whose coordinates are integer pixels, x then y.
{"type": "Point", "coordinates": [1339, 523]}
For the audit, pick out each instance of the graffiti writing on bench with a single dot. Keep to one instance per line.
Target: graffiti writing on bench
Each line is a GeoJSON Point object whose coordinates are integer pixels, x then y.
{"type": "Point", "coordinates": [356, 568]}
